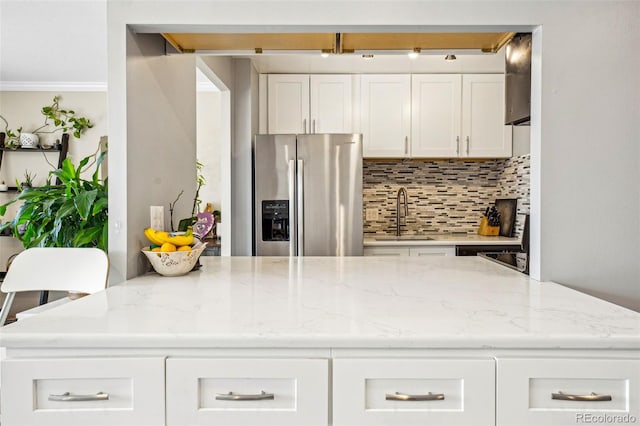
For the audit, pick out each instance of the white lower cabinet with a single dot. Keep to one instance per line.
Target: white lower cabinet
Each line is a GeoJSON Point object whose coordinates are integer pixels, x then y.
{"type": "Point", "coordinates": [413, 392]}
{"type": "Point", "coordinates": [410, 251]}
{"type": "Point", "coordinates": [94, 391]}
{"type": "Point", "coordinates": [563, 392]}
{"type": "Point", "coordinates": [239, 392]}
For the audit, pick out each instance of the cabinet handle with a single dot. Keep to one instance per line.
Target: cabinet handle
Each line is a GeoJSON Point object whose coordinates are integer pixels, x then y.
{"type": "Point", "coordinates": [304, 125]}
{"type": "Point", "coordinates": [244, 397]}
{"type": "Point", "coordinates": [314, 125]}
{"type": "Point", "coordinates": [406, 145]}
{"type": "Point", "coordinates": [457, 145]}
{"type": "Point", "coordinates": [569, 397]}
{"type": "Point", "coordinates": [467, 145]}
{"type": "Point", "coordinates": [405, 397]}
{"type": "Point", "coordinates": [68, 397]}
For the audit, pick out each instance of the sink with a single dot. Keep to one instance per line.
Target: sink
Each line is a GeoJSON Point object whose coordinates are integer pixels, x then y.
{"type": "Point", "coordinates": [403, 238]}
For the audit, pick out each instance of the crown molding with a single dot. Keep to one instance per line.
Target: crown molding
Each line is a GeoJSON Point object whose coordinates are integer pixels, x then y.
{"type": "Point", "coordinates": [52, 86]}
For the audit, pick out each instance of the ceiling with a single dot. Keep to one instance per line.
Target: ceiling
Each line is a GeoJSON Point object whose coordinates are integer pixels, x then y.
{"type": "Point", "coordinates": [337, 43]}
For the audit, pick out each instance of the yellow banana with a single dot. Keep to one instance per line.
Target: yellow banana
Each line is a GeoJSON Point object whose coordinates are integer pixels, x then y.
{"type": "Point", "coordinates": [150, 233]}
{"type": "Point", "coordinates": [181, 240]}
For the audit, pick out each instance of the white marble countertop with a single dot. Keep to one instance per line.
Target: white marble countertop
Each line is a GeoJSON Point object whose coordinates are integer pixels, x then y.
{"type": "Point", "coordinates": [349, 302]}
{"type": "Point", "coordinates": [439, 240]}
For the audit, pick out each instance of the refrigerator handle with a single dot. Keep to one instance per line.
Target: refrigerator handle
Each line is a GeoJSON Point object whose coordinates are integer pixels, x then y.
{"type": "Point", "coordinates": [300, 207]}
{"type": "Point", "coordinates": [293, 223]}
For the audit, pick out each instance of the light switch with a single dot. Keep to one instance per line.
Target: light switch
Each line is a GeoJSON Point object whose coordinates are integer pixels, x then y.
{"type": "Point", "coordinates": [157, 217]}
{"type": "Point", "coordinates": [371, 214]}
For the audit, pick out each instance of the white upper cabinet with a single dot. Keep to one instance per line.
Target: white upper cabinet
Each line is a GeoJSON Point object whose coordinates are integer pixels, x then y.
{"type": "Point", "coordinates": [459, 115]}
{"type": "Point", "coordinates": [385, 103]}
{"type": "Point", "coordinates": [331, 104]}
{"type": "Point", "coordinates": [436, 122]}
{"type": "Point", "coordinates": [300, 103]}
{"type": "Point", "coordinates": [288, 103]}
{"type": "Point", "coordinates": [483, 128]}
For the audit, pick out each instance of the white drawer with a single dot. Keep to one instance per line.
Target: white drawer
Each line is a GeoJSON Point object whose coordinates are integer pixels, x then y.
{"type": "Point", "coordinates": [300, 389]}
{"type": "Point", "coordinates": [135, 389]}
{"type": "Point", "coordinates": [525, 389]}
{"type": "Point", "coordinates": [463, 390]}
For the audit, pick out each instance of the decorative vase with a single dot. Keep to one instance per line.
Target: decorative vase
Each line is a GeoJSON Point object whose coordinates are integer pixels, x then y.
{"type": "Point", "coordinates": [29, 140]}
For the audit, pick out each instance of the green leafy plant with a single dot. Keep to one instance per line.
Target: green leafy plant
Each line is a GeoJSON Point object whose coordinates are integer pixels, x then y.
{"type": "Point", "coordinates": [55, 119]}
{"type": "Point", "coordinates": [63, 119]}
{"type": "Point", "coordinates": [73, 213]}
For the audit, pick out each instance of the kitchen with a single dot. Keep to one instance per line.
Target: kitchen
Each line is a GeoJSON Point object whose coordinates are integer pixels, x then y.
{"type": "Point", "coordinates": [555, 157]}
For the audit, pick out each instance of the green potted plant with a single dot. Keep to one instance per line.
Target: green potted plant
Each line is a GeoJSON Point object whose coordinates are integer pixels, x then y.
{"type": "Point", "coordinates": [28, 180]}
{"type": "Point", "coordinates": [56, 119]}
{"type": "Point", "coordinates": [72, 213]}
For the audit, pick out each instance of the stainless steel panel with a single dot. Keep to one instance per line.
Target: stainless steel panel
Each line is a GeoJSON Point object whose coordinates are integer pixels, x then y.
{"type": "Point", "coordinates": [272, 157]}
{"type": "Point", "coordinates": [332, 194]}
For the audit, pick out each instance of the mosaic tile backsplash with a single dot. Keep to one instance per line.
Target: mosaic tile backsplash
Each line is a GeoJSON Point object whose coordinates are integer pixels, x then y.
{"type": "Point", "coordinates": [447, 196]}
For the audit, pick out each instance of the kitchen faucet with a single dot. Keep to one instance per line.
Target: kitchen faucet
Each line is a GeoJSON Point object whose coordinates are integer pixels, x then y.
{"type": "Point", "coordinates": [403, 192]}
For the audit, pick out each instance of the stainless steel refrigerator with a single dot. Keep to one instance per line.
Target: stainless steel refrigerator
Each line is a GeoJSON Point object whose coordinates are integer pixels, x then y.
{"type": "Point", "coordinates": [307, 194]}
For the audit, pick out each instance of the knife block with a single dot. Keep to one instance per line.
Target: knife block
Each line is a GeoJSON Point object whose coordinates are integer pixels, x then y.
{"type": "Point", "coordinates": [485, 229]}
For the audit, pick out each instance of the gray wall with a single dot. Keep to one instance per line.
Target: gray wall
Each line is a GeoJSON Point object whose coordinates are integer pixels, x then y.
{"type": "Point", "coordinates": [161, 138]}
{"type": "Point", "coordinates": [585, 156]}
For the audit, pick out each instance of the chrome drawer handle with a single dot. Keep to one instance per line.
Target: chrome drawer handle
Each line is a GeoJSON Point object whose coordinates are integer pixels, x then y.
{"type": "Point", "coordinates": [246, 397]}
{"type": "Point", "coordinates": [569, 397]}
{"type": "Point", "coordinates": [68, 397]}
{"type": "Point", "coordinates": [405, 397]}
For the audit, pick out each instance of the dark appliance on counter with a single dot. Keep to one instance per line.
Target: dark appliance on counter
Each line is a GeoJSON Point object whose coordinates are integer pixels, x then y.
{"type": "Point", "coordinates": [307, 195]}
{"type": "Point", "coordinates": [518, 259]}
{"type": "Point", "coordinates": [518, 80]}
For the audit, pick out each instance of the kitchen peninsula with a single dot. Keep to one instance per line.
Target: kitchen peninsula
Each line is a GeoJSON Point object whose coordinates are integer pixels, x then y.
{"type": "Point", "coordinates": [325, 340]}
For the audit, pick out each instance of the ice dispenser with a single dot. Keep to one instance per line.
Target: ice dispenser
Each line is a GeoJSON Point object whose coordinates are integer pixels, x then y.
{"type": "Point", "coordinates": [275, 220]}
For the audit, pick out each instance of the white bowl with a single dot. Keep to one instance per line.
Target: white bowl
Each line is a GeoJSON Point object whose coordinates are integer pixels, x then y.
{"type": "Point", "coordinates": [174, 263]}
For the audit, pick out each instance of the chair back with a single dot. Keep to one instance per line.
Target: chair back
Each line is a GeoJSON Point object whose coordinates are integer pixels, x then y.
{"type": "Point", "coordinates": [84, 270]}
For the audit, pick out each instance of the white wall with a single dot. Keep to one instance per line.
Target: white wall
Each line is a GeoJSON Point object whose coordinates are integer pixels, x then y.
{"type": "Point", "coordinates": [209, 145]}
{"type": "Point", "coordinates": [585, 110]}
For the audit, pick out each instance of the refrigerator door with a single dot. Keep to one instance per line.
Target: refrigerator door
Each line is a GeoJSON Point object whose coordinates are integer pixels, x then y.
{"type": "Point", "coordinates": [329, 183]}
{"type": "Point", "coordinates": [274, 162]}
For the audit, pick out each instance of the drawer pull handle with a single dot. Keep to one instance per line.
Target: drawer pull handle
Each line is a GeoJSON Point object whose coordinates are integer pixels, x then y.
{"type": "Point", "coordinates": [68, 397]}
{"type": "Point", "coordinates": [405, 397]}
{"type": "Point", "coordinates": [246, 397]}
{"type": "Point", "coordinates": [569, 397]}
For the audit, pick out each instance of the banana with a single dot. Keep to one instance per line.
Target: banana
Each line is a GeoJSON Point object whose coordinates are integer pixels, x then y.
{"type": "Point", "coordinates": [160, 237]}
{"type": "Point", "coordinates": [181, 240]}
{"type": "Point", "coordinates": [150, 233]}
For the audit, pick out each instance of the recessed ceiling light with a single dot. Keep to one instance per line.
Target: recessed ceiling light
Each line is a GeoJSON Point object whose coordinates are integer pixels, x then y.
{"type": "Point", "coordinates": [414, 54]}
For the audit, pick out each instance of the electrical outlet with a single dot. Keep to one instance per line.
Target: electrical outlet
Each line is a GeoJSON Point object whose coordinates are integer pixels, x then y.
{"type": "Point", "coordinates": [371, 214]}
{"type": "Point", "coordinates": [156, 214]}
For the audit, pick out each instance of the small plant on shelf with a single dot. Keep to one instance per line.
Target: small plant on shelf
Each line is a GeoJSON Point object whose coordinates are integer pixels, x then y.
{"type": "Point", "coordinates": [56, 119]}
{"type": "Point", "coordinates": [27, 182]}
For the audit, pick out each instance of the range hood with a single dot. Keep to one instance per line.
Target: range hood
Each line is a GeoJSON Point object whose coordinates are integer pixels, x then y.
{"type": "Point", "coordinates": [518, 80]}
{"type": "Point", "coordinates": [336, 43]}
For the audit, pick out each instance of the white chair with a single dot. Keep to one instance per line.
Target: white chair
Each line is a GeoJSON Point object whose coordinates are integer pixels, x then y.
{"type": "Point", "coordinates": [82, 270]}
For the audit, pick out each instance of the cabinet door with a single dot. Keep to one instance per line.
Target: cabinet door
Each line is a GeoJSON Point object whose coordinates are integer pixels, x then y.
{"type": "Point", "coordinates": [596, 391]}
{"type": "Point", "coordinates": [331, 104]}
{"type": "Point", "coordinates": [385, 102]}
{"type": "Point", "coordinates": [230, 392]}
{"type": "Point", "coordinates": [436, 105]}
{"type": "Point", "coordinates": [377, 392]}
{"type": "Point", "coordinates": [95, 391]}
{"type": "Point", "coordinates": [484, 133]}
{"type": "Point", "coordinates": [432, 251]}
{"type": "Point", "coordinates": [288, 103]}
